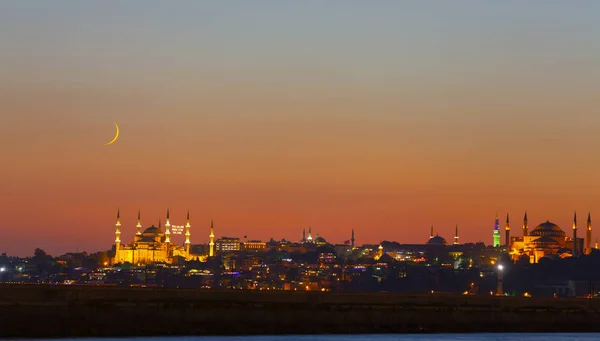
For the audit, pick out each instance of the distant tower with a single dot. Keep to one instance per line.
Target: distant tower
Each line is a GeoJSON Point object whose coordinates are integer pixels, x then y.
{"type": "Point", "coordinates": [596, 244]}
{"type": "Point", "coordinates": [309, 238]}
{"type": "Point", "coordinates": [211, 240]}
{"type": "Point", "coordinates": [575, 234]}
{"type": "Point", "coordinates": [118, 233]}
{"type": "Point", "coordinates": [431, 234]}
{"type": "Point", "coordinates": [497, 232]}
{"type": "Point", "coordinates": [187, 234]}
{"type": "Point", "coordinates": [507, 233]}
{"type": "Point", "coordinates": [304, 235]}
{"type": "Point", "coordinates": [588, 235]}
{"type": "Point", "coordinates": [352, 239]}
{"type": "Point", "coordinates": [525, 225]}
{"type": "Point", "coordinates": [139, 225]}
{"type": "Point", "coordinates": [380, 253]}
{"type": "Point", "coordinates": [456, 235]}
{"type": "Point", "coordinates": [168, 229]}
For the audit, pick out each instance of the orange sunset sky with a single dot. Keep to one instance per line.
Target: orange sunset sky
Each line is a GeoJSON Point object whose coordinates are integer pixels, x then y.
{"type": "Point", "coordinates": [270, 117]}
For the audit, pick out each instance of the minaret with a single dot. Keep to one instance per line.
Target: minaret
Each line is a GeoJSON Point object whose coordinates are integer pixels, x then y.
{"type": "Point", "coordinates": [118, 234]}
{"type": "Point", "coordinates": [456, 235]}
{"type": "Point", "coordinates": [187, 234]}
{"type": "Point", "coordinates": [304, 235]}
{"type": "Point", "coordinates": [431, 234]}
{"type": "Point", "coordinates": [507, 233]}
{"type": "Point", "coordinates": [525, 225]}
{"type": "Point", "coordinates": [596, 244]}
{"type": "Point", "coordinates": [352, 239]}
{"type": "Point", "coordinates": [309, 238]}
{"type": "Point", "coordinates": [167, 229]}
{"type": "Point", "coordinates": [588, 235]}
{"type": "Point", "coordinates": [211, 240]}
{"type": "Point", "coordinates": [575, 234]}
{"type": "Point", "coordinates": [139, 225]}
{"type": "Point", "coordinates": [497, 231]}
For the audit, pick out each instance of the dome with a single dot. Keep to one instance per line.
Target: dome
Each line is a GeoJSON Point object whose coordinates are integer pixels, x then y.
{"type": "Point", "coordinates": [547, 229]}
{"type": "Point", "coordinates": [437, 240]}
{"type": "Point", "coordinates": [152, 230]}
{"type": "Point", "coordinates": [385, 258]}
{"type": "Point", "coordinates": [565, 250]}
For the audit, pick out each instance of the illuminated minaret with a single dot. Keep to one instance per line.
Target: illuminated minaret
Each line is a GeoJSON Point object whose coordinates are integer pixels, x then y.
{"type": "Point", "coordinates": [575, 234]}
{"type": "Point", "coordinates": [497, 232]}
{"type": "Point", "coordinates": [168, 229]}
{"type": "Point", "coordinates": [352, 239]}
{"type": "Point", "coordinates": [588, 235]}
{"type": "Point", "coordinates": [304, 235]}
{"type": "Point", "coordinates": [431, 234]}
{"type": "Point", "coordinates": [118, 233]}
{"type": "Point", "coordinates": [596, 244]}
{"type": "Point", "coordinates": [507, 233]}
{"type": "Point", "coordinates": [187, 234]}
{"type": "Point", "coordinates": [309, 238]}
{"type": "Point", "coordinates": [525, 225]}
{"type": "Point", "coordinates": [456, 235]}
{"type": "Point", "coordinates": [211, 240]}
{"type": "Point", "coordinates": [139, 225]}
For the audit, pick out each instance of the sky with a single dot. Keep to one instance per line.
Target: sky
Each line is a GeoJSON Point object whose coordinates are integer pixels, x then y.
{"type": "Point", "coordinates": [272, 116]}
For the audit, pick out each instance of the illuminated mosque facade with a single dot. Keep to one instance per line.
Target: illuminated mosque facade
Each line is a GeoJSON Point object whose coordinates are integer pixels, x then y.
{"type": "Point", "coordinates": [152, 245]}
{"type": "Point", "coordinates": [547, 239]}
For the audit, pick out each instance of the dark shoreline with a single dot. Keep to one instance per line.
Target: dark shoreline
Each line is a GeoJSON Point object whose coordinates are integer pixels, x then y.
{"type": "Point", "coordinates": [40, 311]}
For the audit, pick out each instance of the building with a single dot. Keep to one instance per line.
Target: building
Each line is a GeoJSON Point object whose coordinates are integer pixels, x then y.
{"type": "Point", "coordinates": [496, 234]}
{"type": "Point", "coordinates": [152, 245]}
{"type": "Point", "coordinates": [546, 239]}
{"type": "Point", "coordinates": [254, 246]}
{"type": "Point", "coordinates": [437, 240]}
{"type": "Point", "coordinates": [227, 244]}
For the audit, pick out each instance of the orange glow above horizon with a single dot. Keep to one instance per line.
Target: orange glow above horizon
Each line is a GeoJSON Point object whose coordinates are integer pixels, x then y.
{"type": "Point", "coordinates": [269, 131]}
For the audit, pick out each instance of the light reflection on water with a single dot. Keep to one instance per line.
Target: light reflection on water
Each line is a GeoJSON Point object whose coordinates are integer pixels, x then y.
{"type": "Point", "coordinates": [379, 337]}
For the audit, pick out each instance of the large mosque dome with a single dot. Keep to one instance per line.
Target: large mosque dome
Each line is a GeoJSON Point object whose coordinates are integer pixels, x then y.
{"type": "Point", "coordinates": [152, 230]}
{"type": "Point", "coordinates": [547, 229]}
{"type": "Point", "coordinates": [437, 240]}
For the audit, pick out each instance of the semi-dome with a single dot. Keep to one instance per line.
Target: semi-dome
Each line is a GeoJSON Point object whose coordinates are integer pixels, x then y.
{"type": "Point", "coordinates": [545, 241]}
{"type": "Point", "coordinates": [565, 250]}
{"type": "Point", "coordinates": [547, 229]}
{"type": "Point", "coordinates": [437, 240]}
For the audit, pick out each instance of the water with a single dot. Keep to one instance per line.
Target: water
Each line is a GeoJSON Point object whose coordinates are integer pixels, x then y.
{"type": "Point", "coordinates": [380, 337]}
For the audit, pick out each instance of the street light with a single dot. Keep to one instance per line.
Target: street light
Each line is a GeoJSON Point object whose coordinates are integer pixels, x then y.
{"type": "Point", "coordinates": [499, 290]}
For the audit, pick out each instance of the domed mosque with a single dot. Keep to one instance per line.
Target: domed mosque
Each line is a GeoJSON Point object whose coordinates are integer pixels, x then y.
{"type": "Point", "coordinates": [547, 239]}
{"type": "Point", "coordinates": [436, 239]}
{"type": "Point", "coordinates": [152, 245]}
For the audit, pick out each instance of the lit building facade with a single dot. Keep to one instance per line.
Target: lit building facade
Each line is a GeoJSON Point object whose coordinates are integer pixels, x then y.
{"type": "Point", "coordinates": [226, 244]}
{"type": "Point", "coordinates": [545, 240]}
{"type": "Point", "coordinates": [152, 245]}
{"type": "Point", "coordinates": [254, 245]}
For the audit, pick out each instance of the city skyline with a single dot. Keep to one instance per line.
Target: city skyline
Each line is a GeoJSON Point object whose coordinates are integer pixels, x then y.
{"type": "Point", "coordinates": [272, 117]}
{"type": "Point", "coordinates": [200, 234]}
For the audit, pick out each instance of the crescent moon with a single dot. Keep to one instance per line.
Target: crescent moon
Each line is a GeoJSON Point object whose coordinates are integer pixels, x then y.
{"type": "Point", "coordinates": [116, 135]}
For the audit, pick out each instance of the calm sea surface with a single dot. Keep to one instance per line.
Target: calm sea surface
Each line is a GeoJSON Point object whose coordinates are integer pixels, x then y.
{"type": "Point", "coordinates": [430, 337]}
